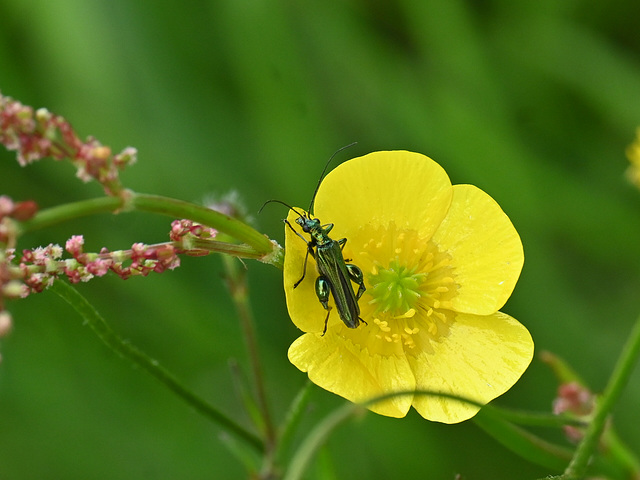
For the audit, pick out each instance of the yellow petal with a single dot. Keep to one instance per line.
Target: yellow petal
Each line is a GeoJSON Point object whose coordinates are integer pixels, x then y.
{"type": "Point", "coordinates": [403, 187]}
{"type": "Point", "coordinates": [485, 249]}
{"type": "Point", "coordinates": [339, 366]}
{"type": "Point", "coordinates": [480, 359]}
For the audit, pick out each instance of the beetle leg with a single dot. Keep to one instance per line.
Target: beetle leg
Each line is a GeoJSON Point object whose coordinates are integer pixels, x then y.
{"type": "Point", "coordinates": [356, 276]}
{"type": "Point", "coordinates": [342, 242]}
{"type": "Point", "coordinates": [327, 228]}
{"type": "Point", "coordinates": [295, 231]}
{"type": "Point", "coordinates": [310, 246]}
{"type": "Point", "coordinates": [322, 292]}
{"type": "Point", "coordinates": [304, 269]}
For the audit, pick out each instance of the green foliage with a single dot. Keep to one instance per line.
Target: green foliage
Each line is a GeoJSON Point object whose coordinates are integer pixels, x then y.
{"type": "Point", "coordinates": [534, 102]}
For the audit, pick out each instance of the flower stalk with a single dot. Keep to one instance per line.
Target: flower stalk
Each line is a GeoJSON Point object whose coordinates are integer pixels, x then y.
{"type": "Point", "coordinates": [114, 342]}
{"type": "Point", "coordinates": [619, 378]}
{"type": "Point", "coordinates": [260, 247]}
{"type": "Point", "coordinates": [236, 282]}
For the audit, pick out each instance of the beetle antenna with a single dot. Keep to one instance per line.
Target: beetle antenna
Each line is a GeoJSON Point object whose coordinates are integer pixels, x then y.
{"type": "Point", "coordinates": [313, 199]}
{"type": "Point", "coordinates": [282, 203]}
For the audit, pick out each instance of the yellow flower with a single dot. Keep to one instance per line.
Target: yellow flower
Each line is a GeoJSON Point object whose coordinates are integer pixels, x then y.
{"type": "Point", "coordinates": [633, 154]}
{"type": "Point", "coordinates": [439, 261]}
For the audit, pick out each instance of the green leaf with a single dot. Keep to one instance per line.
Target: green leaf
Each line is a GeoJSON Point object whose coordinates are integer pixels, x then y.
{"type": "Point", "coordinates": [523, 443]}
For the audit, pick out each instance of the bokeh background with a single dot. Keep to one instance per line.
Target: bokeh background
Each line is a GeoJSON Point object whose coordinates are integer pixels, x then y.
{"type": "Point", "coordinates": [534, 102]}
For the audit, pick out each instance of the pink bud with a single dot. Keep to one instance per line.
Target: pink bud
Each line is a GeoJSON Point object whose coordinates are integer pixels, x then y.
{"type": "Point", "coordinates": [5, 323]}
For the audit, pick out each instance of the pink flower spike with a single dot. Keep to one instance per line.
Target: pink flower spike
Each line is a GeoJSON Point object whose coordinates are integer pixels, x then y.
{"type": "Point", "coordinates": [138, 251]}
{"type": "Point", "coordinates": [14, 289]}
{"type": "Point", "coordinates": [75, 245]}
{"type": "Point", "coordinates": [40, 134]}
{"type": "Point", "coordinates": [6, 206]}
{"type": "Point", "coordinates": [167, 258]}
{"type": "Point", "coordinates": [99, 267]}
{"type": "Point", "coordinates": [180, 228]}
{"type": "Point", "coordinates": [5, 323]}
{"type": "Point", "coordinates": [38, 282]}
{"type": "Point", "coordinates": [24, 210]}
{"type": "Point", "coordinates": [127, 157]}
{"type": "Point", "coordinates": [574, 398]}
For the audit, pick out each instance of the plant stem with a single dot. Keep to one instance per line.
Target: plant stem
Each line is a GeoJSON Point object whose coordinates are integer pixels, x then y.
{"type": "Point", "coordinates": [523, 443]}
{"type": "Point", "coordinates": [619, 377]}
{"type": "Point", "coordinates": [239, 250]}
{"type": "Point", "coordinates": [294, 415]}
{"type": "Point", "coordinates": [521, 417]}
{"type": "Point", "coordinates": [153, 204]}
{"type": "Point", "coordinates": [69, 211]}
{"type": "Point", "coordinates": [117, 344]}
{"type": "Point", "coordinates": [224, 223]}
{"type": "Point", "coordinates": [236, 281]}
{"type": "Point", "coordinates": [316, 437]}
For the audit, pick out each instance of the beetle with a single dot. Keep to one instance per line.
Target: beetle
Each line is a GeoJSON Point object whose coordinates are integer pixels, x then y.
{"type": "Point", "coordinates": [335, 274]}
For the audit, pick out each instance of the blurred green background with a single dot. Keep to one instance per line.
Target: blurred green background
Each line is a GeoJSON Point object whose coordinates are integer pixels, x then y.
{"type": "Point", "coordinates": [534, 102]}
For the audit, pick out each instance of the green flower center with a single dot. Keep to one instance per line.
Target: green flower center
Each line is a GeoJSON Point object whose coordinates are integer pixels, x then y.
{"type": "Point", "coordinates": [396, 289]}
{"type": "Point", "coordinates": [410, 288]}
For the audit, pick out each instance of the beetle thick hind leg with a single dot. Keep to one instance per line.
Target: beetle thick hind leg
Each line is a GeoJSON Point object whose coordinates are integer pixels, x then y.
{"type": "Point", "coordinates": [357, 277]}
{"type": "Point", "coordinates": [322, 292]}
{"type": "Point", "coordinates": [326, 321]}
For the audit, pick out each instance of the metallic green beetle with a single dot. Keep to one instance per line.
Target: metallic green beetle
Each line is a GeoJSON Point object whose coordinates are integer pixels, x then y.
{"type": "Point", "coordinates": [335, 274]}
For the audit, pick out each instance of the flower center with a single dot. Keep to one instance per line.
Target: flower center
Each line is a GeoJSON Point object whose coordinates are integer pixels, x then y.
{"type": "Point", "coordinates": [396, 289]}
{"type": "Point", "coordinates": [410, 285]}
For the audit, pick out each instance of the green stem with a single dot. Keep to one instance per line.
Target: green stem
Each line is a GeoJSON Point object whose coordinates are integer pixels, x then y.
{"type": "Point", "coordinates": [621, 454]}
{"type": "Point", "coordinates": [240, 250]}
{"type": "Point", "coordinates": [224, 223]}
{"type": "Point", "coordinates": [617, 382]}
{"type": "Point", "coordinates": [293, 418]}
{"type": "Point", "coordinates": [523, 443]}
{"type": "Point", "coordinates": [69, 211]}
{"type": "Point", "coordinates": [516, 439]}
{"type": "Point", "coordinates": [534, 419]}
{"type": "Point", "coordinates": [117, 344]}
{"type": "Point", "coordinates": [236, 281]}
{"type": "Point", "coordinates": [317, 437]}
{"type": "Point", "coordinates": [153, 204]}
